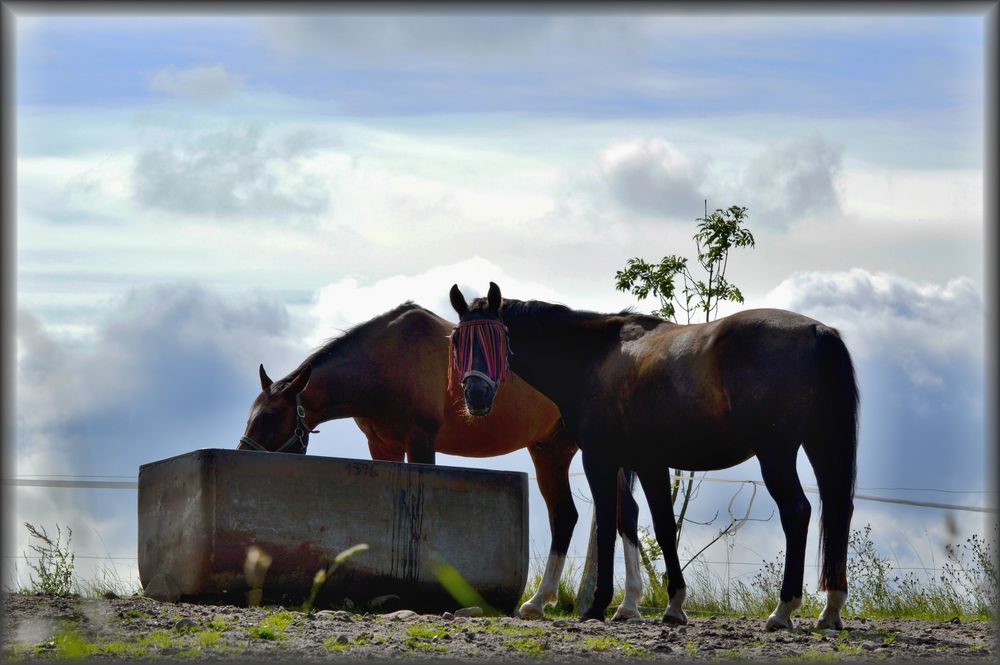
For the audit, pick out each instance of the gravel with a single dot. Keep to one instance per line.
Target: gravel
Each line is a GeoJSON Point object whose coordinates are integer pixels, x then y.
{"type": "Point", "coordinates": [40, 627]}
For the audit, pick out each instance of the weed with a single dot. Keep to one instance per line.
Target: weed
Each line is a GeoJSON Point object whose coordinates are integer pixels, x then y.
{"type": "Point", "coordinates": [273, 626]}
{"type": "Point", "coordinates": [525, 645]}
{"type": "Point", "coordinates": [70, 644]}
{"type": "Point", "coordinates": [55, 562]}
{"type": "Point", "coordinates": [220, 622]}
{"type": "Point", "coordinates": [608, 643]}
{"type": "Point", "coordinates": [496, 628]}
{"type": "Point", "coordinates": [815, 656]}
{"type": "Point", "coordinates": [322, 575]}
{"type": "Point", "coordinates": [729, 654]}
{"type": "Point", "coordinates": [207, 638]}
{"type": "Point", "coordinates": [422, 645]}
{"type": "Point", "coordinates": [426, 632]}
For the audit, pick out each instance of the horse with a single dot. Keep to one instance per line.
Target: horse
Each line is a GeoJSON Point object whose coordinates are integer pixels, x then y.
{"type": "Point", "coordinates": [389, 375]}
{"type": "Point", "coordinates": [639, 392]}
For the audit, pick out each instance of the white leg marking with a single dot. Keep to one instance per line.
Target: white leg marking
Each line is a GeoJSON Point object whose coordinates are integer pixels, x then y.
{"type": "Point", "coordinates": [781, 617]}
{"type": "Point", "coordinates": [675, 611]}
{"type": "Point", "coordinates": [633, 583]}
{"type": "Point", "coordinates": [548, 588]}
{"type": "Point", "coordinates": [830, 618]}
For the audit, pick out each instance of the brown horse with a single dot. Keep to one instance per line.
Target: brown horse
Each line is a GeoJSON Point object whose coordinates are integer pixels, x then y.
{"type": "Point", "coordinates": [390, 375]}
{"type": "Point", "coordinates": [641, 393]}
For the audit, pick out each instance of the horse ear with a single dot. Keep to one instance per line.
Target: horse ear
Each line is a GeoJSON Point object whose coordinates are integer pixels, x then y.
{"type": "Point", "coordinates": [493, 298]}
{"type": "Point", "coordinates": [298, 384]}
{"type": "Point", "coordinates": [265, 380]}
{"type": "Point", "coordinates": [458, 300]}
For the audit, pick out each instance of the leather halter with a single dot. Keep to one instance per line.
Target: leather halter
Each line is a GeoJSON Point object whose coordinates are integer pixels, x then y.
{"type": "Point", "coordinates": [300, 436]}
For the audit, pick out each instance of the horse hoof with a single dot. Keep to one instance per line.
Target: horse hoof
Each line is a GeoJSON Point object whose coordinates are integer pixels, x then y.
{"type": "Point", "coordinates": [777, 623]}
{"type": "Point", "coordinates": [675, 619]}
{"type": "Point", "coordinates": [587, 616]}
{"type": "Point", "coordinates": [624, 613]}
{"type": "Point", "coordinates": [829, 623]}
{"type": "Point", "coordinates": [529, 611]}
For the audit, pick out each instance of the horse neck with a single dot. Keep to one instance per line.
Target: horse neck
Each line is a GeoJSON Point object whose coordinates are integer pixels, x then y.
{"type": "Point", "coordinates": [547, 350]}
{"type": "Point", "coordinates": [337, 388]}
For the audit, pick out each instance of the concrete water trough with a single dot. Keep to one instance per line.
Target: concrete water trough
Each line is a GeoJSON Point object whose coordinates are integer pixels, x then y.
{"type": "Point", "coordinates": [201, 512]}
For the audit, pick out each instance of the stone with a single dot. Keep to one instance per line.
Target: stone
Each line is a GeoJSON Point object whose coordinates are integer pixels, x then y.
{"type": "Point", "coordinates": [185, 624]}
{"type": "Point", "coordinates": [447, 616]}
{"type": "Point", "coordinates": [342, 639]}
{"type": "Point", "coordinates": [560, 623]}
{"type": "Point", "coordinates": [469, 612]}
{"type": "Point", "coordinates": [163, 588]}
{"type": "Point", "coordinates": [402, 615]}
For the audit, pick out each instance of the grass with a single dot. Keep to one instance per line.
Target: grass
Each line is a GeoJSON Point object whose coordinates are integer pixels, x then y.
{"type": "Point", "coordinates": [273, 626]}
{"type": "Point", "coordinates": [610, 643]}
{"type": "Point", "coordinates": [965, 587]}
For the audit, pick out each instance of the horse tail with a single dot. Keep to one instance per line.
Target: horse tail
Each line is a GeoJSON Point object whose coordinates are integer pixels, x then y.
{"type": "Point", "coordinates": [832, 449]}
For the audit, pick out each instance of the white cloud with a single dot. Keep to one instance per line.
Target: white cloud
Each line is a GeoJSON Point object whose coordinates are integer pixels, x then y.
{"type": "Point", "coordinates": [348, 301]}
{"type": "Point", "coordinates": [793, 179]}
{"type": "Point", "coordinates": [201, 83]}
{"type": "Point", "coordinates": [918, 349]}
{"type": "Point", "coordinates": [232, 172]}
{"type": "Point", "coordinates": [879, 311]}
{"type": "Point", "coordinates": [653, 177]}
{"type": "Point", "coordinates": [170, 369]}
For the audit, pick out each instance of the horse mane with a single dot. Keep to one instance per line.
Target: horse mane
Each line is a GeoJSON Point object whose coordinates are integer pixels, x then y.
{"type": "Point", "coordinates": [551, 311]}
{"type": "Point", "coordinates": [327, 348]}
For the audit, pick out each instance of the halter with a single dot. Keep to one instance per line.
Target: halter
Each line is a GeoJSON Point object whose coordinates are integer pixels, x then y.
{"type": "Point", "coordinates": [301, 435]}
{"type": "Point", "coordinates": [492, 337]}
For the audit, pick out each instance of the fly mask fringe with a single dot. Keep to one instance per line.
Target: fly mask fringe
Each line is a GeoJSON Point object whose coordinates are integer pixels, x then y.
{"type": "Point", "coordinates": [491, 335]}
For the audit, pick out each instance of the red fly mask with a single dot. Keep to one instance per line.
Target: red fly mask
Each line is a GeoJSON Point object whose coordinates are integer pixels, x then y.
{"type": "Point", "coordinates": [491, 335]}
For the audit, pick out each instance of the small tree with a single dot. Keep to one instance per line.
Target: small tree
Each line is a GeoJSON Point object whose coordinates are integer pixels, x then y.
{"type": "Point", "coordinates": [717, 234]}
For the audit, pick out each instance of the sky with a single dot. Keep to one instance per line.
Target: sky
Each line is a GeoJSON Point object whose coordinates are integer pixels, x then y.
{"type": "Point", "coordinates": [200, 194]}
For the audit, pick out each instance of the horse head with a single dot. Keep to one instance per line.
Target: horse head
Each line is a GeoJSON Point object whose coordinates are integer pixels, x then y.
{"type": "Point", "coordinates": [480, 351]}
{"type": "Point", "coordinates": [277, 419]}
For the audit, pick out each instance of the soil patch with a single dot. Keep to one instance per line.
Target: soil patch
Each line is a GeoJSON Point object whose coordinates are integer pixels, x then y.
{"type": "Point", "coordinates": [138, 627]}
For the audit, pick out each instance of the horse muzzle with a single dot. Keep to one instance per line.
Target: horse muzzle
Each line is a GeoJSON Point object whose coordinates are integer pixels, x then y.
{"type": "Point", "coordinates": [479, 391]}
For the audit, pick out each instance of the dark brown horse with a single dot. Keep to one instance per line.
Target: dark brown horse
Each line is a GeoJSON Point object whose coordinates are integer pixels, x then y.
{"type": "Point", "coordinates": [641, 393]}
{"type": "Point", "coordinates": [390, 375]}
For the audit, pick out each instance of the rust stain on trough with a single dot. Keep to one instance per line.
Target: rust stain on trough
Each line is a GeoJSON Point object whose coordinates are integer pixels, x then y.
{"type": "Point", "coordinates": [200, 512]}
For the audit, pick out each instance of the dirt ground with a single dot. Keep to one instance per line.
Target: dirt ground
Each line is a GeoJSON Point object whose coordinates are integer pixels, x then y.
{"type": "Point", "coordinates": [38, 627]}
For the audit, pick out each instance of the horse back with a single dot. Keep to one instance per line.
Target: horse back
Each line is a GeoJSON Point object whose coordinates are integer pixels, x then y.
{"type": "Point", "coordinates": [738, 374]}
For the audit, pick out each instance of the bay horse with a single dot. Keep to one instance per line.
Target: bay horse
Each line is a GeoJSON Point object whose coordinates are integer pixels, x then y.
{"type": "Point", "coordinates": [646, 394]}
{"type": "Point", "coordinates": [389, 374]}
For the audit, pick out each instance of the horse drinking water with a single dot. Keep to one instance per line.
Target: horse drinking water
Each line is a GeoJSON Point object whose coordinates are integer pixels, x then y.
{"type": "Point", "coordinates": [642, 393]}
{"type": "Point", "coordinates": [390, 375]}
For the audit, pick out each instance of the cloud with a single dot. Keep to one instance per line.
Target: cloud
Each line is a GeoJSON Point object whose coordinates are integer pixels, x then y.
{"type": "Point", "coordinates": [235, 172]}
{"type": "Point", "coordinates": [201, 83]}
{"type": "Point", "coordinates": [653, 177]}
{"type": "Point", "coordinates": [792, 180]}
{"type": "Point", "coordinates": [919, 351]}
{"type": "Point", "coordinates": [172, 368]}
{"type": "Point", "coordinates": [349, 301]}
{"type": "Point", "coordinates": [453, 42]}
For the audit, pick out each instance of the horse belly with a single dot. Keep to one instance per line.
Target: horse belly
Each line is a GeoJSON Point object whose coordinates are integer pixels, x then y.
{"type": "Point", "coordinates": [693, 444]}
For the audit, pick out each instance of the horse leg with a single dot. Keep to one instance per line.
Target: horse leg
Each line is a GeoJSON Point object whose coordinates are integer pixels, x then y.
{"type": "Point", "coordinates": [628, 527]}
{"type": "Point", "coordinates": [782, 482]}
{"type": "Point", "coordinates": [656, 487]}
{"type": "Point", "coordinates": [380, 449]}
{"type": "Point", "coordinates": [602, 476]}
{"type": "Point", "coordinates": [420, 447]}
{"type": "Point", "coordinates": [552, 459]}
